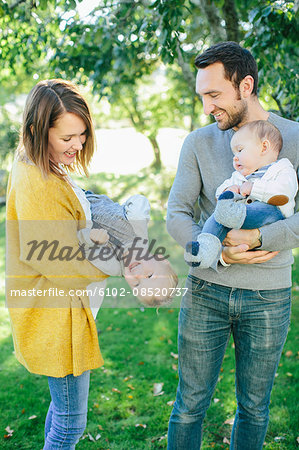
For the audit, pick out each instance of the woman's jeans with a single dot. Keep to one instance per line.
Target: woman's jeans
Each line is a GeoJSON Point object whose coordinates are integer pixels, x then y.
{"type": "Point", "coordinates": [67, 414]}
{"type": "Point", "coordinates": [258, 214]}
{"type": "Point", "coordinates": [258, 321]}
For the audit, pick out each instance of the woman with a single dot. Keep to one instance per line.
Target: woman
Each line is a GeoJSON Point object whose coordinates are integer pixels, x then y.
{"type": "Point", "coordinates": [47, 275]}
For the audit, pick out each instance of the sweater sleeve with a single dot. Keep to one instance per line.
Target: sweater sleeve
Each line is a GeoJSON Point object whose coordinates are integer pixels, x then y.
{"type": "Point", "coordinates": [183, 195]}
{"type": "Point", "coordinates": [47, 222]}
{"type": "Point", "coordinates": [281, 235]}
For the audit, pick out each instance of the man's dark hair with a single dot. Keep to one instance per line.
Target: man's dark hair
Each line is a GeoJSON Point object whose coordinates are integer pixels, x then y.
{"type": "Point", "coordinates": [237, 61]}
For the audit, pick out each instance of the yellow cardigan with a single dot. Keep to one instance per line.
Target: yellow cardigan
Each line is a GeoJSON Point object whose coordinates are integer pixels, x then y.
{"type": "Point", "coordinates": [53, 329]}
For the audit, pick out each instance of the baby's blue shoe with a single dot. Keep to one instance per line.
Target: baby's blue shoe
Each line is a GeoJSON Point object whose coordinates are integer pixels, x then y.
{"type": "Point", "coordinates": [203, 252]}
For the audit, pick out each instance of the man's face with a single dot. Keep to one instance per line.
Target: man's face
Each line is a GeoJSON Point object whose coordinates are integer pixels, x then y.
{"type": "Point", "coordinates": [220, 98]}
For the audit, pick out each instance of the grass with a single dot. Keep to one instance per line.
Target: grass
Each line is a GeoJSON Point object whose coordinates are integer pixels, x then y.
{"type": "Point", "coordinates": [139, 349]}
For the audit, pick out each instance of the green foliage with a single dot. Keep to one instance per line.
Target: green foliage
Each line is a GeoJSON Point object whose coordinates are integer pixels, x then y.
{"type": "Point", "coordinates": [9, 135]}
{"type": "Point", "coordinates": [273, 40]}
{"type": "Point", "coordinates": [122, 46]}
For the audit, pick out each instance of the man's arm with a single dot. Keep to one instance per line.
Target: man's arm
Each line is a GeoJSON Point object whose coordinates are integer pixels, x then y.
{"type": "Point", "coordinates": [183, 195]}
{"type": "Point", "coordinates": [281, 235]}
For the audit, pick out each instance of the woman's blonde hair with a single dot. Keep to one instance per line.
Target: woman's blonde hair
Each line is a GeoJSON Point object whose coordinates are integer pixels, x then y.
{"type": "Point", "coordinates": [45, 104]}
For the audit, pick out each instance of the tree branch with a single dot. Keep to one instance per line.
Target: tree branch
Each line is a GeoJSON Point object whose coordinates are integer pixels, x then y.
{"type": "Point", "coordinates": [16, 3]}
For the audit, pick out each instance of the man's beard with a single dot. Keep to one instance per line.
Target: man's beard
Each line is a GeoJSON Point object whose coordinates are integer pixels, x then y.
{"type": "Point", "coordinates": [235, 117]}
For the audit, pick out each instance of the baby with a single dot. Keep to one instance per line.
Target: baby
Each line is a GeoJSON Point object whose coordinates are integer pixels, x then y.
{"type": "Point", "coordinates": [260, 191]}
{"type": "Point", "coordinates": [117, 244]}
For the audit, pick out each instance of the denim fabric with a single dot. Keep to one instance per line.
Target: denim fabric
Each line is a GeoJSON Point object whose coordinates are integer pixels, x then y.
{"type": "Point", "coordinates": [67, 414]}
{"type": "Point", "coordinates": [258, 214]}
{"type": "Point", "coordinates": [258, 321]}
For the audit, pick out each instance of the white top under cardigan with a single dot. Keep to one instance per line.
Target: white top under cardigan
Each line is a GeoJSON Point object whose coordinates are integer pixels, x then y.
{"type": "Point", "coordinates": [95, 298]}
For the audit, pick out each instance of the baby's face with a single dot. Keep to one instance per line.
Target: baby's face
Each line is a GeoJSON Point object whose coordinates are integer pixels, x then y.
{"type": "Point", "coordinates": [248, 152]}
{"type": "Point", "coordinates": [149, 280]}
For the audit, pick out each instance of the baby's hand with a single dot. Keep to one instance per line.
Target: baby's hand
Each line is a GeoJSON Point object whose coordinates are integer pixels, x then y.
{"type": "Point", "coordinates": [99, 235]}
{"type": "Point", "coordinates": [246, 188]}
{"type": "Point", "coordinates": [234, 188]}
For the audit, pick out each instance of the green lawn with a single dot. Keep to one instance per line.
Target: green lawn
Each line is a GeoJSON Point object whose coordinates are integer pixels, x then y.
{"type": "Point", "coordinates": [139, 349]}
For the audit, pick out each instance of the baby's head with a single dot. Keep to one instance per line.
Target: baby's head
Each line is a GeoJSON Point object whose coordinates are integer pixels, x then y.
{"type": "Point", "coordinates": [153, 280]}
{"type": "Point", "coordinates": [255, 145]}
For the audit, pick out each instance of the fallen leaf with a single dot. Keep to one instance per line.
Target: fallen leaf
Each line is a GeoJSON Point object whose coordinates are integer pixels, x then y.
{"type": "Point", "coordinates": [279, 438]}
{"type": "Point", "coordinates": [171, 402]}
{"type": "Point", "coordinates": [129, 377]}
{"type": "Point", "coordinates": [229, 421]}
{"type": "Point", "coordinates": [162, 338]}
{"type": "Point", "coordinates": [158, 388]}
{"type": "Point", "coordinates": [232, 371]}
{"type": "Point", "coordinates": [289, 353]}
{"type": "Point", "coordinates": [109, 328]}
{"type": "Point", "coordinates": [170, 311]}
{"type": "Point", "coordinates": [221, 370]}
{"type": "Point", "coordinates": [129, 313]}
{"type": "Point", "coordinates": [216, 400]}
{"type": "Point", "coordinates": [174, 355]}
{"type": "Point", "coordinates": [9, 433]}
{"type": "Point", "coordinates": [32, 417]}
{"type": "Point", "coordinates": [141, 425]}
{"type": "Point", "coordinates": [131, 387]}
{"type": "Point", "coordinates": [96, 405]}
{"type": "Point", "coordinates": [174, 366]}
{"type": "Point", "coordinates": [100, 427]}
{"type": "Point", "coordinates": [225, 441]}
{"type": "Point", "coordinates": [23, 411]}
{"type": "Point", "coordinates": [289, 374]}
{"type": "Point", "coordinates": [90, 437]}
{"type": "Point", "coordinates": [98, 436]}
{"type": "Point", "coordinates": [169, 341]}
{"type": "Point", "coordinates": [116, 390]}
{"type": "Point", "coordinates": [141, 363]}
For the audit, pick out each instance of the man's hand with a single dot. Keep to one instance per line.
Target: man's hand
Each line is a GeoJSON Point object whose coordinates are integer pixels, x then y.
{"type": "Point", "coordinates": [240, 255]}
{"type": "Point", "coordinates": [237, 237]}
{"type": "Point", "coordinates": [245, 188]}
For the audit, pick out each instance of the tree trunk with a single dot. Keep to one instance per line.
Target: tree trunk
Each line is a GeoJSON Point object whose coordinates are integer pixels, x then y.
{"type": "Point", "coordinates": [214, 20]}
{"type": "Point", "coordinates": [157, 164]}
{"type": "Point", "coordinates": [231, 20]}
{"type": "Point", "coordinates": [188, 75]}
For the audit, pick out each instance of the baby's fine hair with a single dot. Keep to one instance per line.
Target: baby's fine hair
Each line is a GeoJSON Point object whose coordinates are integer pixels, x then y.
{"type": "Point", "coordinates": [266, 130]}
{"type": "Point", "coordinates": [173, 284]}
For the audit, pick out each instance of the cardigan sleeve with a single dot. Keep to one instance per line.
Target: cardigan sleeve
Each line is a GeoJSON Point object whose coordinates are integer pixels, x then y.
{"type": "Point", "coordinates": [48, 217]}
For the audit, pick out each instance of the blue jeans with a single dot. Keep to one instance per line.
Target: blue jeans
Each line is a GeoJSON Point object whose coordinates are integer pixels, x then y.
{"type": "Point", "coordinates": [258, 321]}
{"type": "Point", "coordinates": [257, 215]}
{"type": "Point", "coordinates": [67, 414]}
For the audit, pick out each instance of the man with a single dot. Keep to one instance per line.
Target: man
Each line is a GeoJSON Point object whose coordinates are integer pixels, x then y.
{"type": "Point", "coordinates": [249, 294]}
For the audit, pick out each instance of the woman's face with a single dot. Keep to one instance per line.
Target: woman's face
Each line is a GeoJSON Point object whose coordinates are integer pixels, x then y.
{"type": "Point", "coordinates": [66, 138]}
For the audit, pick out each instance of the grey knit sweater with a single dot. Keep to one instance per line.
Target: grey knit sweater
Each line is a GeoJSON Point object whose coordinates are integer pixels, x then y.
{"type": "Point", "coordinates": [206, 160]}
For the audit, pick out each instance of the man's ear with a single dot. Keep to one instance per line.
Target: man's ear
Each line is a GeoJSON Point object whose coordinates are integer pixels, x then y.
{"type": "Point", "coordinates": [246, 86]}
